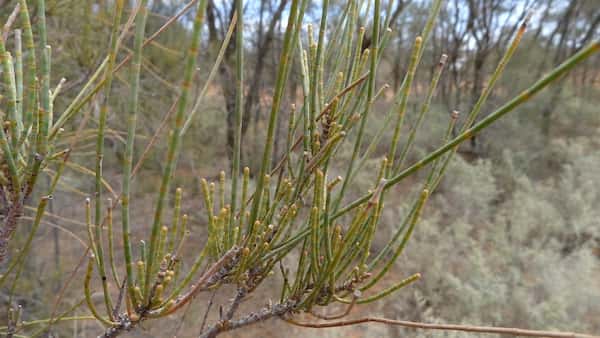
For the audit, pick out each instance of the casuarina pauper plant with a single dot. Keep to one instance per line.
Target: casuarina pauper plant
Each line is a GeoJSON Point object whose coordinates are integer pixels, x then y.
{"type": "Point", "coordinates": [295, 208]}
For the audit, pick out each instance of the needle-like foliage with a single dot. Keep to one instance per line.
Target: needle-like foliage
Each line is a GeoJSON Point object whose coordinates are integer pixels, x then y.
{"type": "Point", "coordinates": [295, 209]}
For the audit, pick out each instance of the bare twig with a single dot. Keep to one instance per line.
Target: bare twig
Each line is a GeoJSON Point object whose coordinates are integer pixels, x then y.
{"type": "Point", "coordinates": [207, 278]}
{"type": "Point", "coordinates": [182, 320]}
{"type": "Point", "coordinates": [210, 303]}
{"type": "Point", "coordinates": [342, 93]}
{"type": "Point", "coordinates": [61, 228]}
{"type": "Point", "coordinates": [15, 211]}
{"type": "Point", "coordinates": [162, 28]}
{"type": "Point", "coordinates": [214, 330]}
{"type": "Point", "coordinates": [211, 276]}
{"type": "Point", "coordinates": [120, 298]}
{"type": "Point", "coordinates": [445, 327]}
{"type": "Point", "coordinates": [10, 21]}
{"type": "Point", "coordinates": [65, 286]}
{"type": "Point", "coordinates": [152, 141]}
{"type": "Point", "coordinates": [263, 314]}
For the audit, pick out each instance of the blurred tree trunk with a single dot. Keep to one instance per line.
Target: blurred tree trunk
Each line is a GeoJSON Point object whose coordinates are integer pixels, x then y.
{"type": "Point", "coordinates": [561, 31]}
{"type": "Point", "coordinates": [490, 34]}
{"type": "Point", "coordinates": [265, 41]}
{"type": "Point", "coordinates": [480, 25]}
{"type": "Point", "coordinates": [397, 69]}
{"type": "Point", "coordinates": [226, 69]}
{"type": "Point", "coordinates": [591, 30]}
{"type": "Point", "coordinates": [260, 49]}
{"type": "Point", "coordinates": [452, 38]}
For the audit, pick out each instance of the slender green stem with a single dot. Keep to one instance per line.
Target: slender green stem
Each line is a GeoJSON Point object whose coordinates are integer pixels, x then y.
{"type": "Point", "coordinates": [77, 103]}
{"type": "Point", "coordinates": [411, 226]}
{"type": "Point", "coordinates": [174, 143]}
{"type": "Point", "coordinates": [16, 124]}
{"type": "Point", "coordinates": [176, 220]}
{"type": "Point", "coordinates": [424, 110]}
{"type": "Point", "coordinates": [239, 107]}
{"type": "Point", "coordinates": [315, 77]}
{"type": "Point", "coordinates": [112, 57]}
{"type": "Point", "coordinates": [88, 293]}
{"type": "Point", "coordinates": [19, 77]}
{"type": "Point", "coordinates": [111, 248]}
{"type": "Point", "coordinates": [388, 291]}
{"type": "Point", "coordinates": [44, 109]}
{"type": "Point", "coordinates": [527, 94]}
{"type": "Point", "coordinates": [496, 75]}
{"type": "Point", "coordinates": [46, 321]}
{"type": "Point", "coordinates": [140, 27]}
{"type": "Point", "coordinates": [368, 105]}
{"type": "Point", "coordinates": [211, 75]}
{"type": "Point", "coordinates": [30, 63]}
{"type": "Point", "coordinates": [402, 101]}
{"type": "Point", "coordinates": [293, 25]}
{"type": "Point", "coordinates": [23, 253]}
{"type": "Point", "coordinates": [10, 158]}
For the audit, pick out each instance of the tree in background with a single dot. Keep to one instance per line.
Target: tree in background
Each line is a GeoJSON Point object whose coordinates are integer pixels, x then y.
{"type": "Point", "coordinates": [296, 219]}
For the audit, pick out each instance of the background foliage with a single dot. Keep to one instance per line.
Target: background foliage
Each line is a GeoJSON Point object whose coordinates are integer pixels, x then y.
{"type": "Point", "coordinates": [511, 237]}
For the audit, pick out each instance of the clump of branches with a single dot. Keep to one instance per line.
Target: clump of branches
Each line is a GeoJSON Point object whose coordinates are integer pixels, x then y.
{"type": "Point", "coordinates": [32, 138]}
{"type": "Point", "coordinates": [296, 206]}
{"type": "Point", "coordinates": [27, 136]}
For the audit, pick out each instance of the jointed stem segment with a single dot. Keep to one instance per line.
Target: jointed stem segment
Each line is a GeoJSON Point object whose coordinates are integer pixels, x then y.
{"type": "Point", "coordinates": [295, 207]}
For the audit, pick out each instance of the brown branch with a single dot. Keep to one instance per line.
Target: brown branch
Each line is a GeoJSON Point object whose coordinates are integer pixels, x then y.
{"type": "Point", "coordinates": [277, 167]}
{"type": "Point", "coordinates": [284, 158]}
{"type": "Point", "coordinates": [224, 323]}
{"type": "Point", "coordinates": [10, 21]}
{"type": "Point", "coordinates": [208, 307]}
{"type": "Point", "coordinates": [242, 292]}
{"type": "Point", "coordinates": [214, 274]}
{"type": "Point", "coordinates": [340, 94]}
{"type": "Point", "coordinates": [445, 327]}
{"type": "Point", "coordinates": [15, 211]}
{"type": "Point", "coordinates": [355, 297]}
{"type": "Point", "coordinates": [252, 318]}
{"type": "Point", "coordinates": [120, 298]}
{"type": "Point", "coordinates": [206, 279]}
{"type": "Point", "coordinates": [182, 320]}
{"type": "Point", "coordinates": [63, 289]}
{"type": "Point", "coordinates": [162, 28]}
{"type": "Point", "coordinates": [125, 324]}
{"type": "Point", "coordinates": [154, 138]}
{"type": "Point", "coordinates": [59, 228]}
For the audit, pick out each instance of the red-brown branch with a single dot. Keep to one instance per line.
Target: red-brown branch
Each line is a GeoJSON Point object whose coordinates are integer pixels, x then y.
{"type": "Point", "coordinates": [445, 327]}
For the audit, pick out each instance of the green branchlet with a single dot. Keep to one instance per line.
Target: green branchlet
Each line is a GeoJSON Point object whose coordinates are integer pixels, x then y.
{"type": "Point", "coordinates": [294, 206]}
